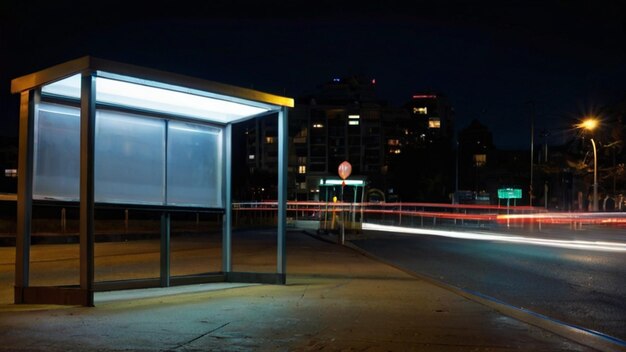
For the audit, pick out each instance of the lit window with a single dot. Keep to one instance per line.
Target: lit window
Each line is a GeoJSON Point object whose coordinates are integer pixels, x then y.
{"type": "Point", "coordinates": [10, 172]}
{"type": "Point", "coordinates": [420, 110]}
{"type": "Point", "coordinates": [480, 159]}
{"type": "Point", "coordinates": [318, 125]}
{"type": "Point", "coordinates": [353, 122]}
{"type": "Point", "coordinates": [270, 140]}
{"type": "Point", "coordinates": [354, 117]}
{"type": "Point", "coordinates": [394, 151]}
{"type": "Point", "coordinates": [302, 169]}
{"type": "Point", "coordinates": [393, 142]}
{"type": "Point", "coordinates": [251, 156]}
{"type": "Point", "coordinates": [434, 122]}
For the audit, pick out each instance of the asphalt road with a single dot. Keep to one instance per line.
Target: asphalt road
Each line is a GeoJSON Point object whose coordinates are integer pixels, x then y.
{"type": "Point", "coordinates": [580, 287]}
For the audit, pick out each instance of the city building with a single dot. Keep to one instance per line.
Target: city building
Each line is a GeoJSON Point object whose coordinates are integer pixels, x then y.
{"type": "Point", "coordinates": [8, 165]}
{"type": "Point", "coordinates": [339, 122]}
{"type": "Point", "coordinates": [431, 119]}
{"type": "Point", "coordinates": [344, 120]}
{"type": "Point", "coordinates": [475, 143]}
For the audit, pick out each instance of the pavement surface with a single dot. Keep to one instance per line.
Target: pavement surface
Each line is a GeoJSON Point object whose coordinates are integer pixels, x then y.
{"type": "Point", "coordinates": [335, 299]}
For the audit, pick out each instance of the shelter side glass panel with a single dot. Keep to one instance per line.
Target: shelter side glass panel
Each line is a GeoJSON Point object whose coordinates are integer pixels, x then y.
{"type": "Point", "coordinates": [194, 164]}
{"type": "Point", "coordinates": [140, 160]}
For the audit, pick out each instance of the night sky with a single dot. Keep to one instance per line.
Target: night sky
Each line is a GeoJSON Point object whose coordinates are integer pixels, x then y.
{"type": "Point", "coordinates": [490, 58]}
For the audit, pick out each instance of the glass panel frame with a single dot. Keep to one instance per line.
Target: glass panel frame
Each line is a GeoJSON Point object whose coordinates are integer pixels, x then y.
{"type": "Point", "coordinates": [56, 156]}
{"type": "Point", "coordinates": [129, 158]}
{"type": "Point", "coordinates": [194, 165]}
{"type": "Point", "coordinates": [199, 144]}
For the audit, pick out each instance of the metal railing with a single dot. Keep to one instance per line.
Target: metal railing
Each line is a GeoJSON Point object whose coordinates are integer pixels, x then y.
{"type": "Point", "coordinates": [329, 214]}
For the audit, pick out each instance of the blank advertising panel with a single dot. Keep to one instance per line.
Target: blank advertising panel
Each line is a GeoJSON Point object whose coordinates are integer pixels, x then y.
{"type": "Point", "coordinates": [56, 152]}
{"type": "Point", "coordinates": [129, 159]}
{"type": "Point", "coordinates": [194, 158]}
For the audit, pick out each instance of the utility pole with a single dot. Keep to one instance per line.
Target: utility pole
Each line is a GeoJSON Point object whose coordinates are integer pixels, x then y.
{"type": "Point", "coordinates": [532, 152]}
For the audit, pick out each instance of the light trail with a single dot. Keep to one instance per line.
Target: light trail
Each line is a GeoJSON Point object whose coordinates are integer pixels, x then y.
{"type": "Point", "coordinates": [572, 244]}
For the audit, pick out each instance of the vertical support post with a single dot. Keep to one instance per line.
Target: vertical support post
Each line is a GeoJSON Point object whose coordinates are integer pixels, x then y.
{"type": "Point", "coordinates": [532, 153]}
{"type": "Point", "coordinates": [595, 176]}
{"type": "Point", "coordinates": [508, 220]}
{"type": "Point", "coordinates": [165, 249]}
{"type": "Point", "coordinates": [125, 220]}
{"type": "Point", "coordinates": [342, 236]}
{"type": "Point", "coordinates": [353, 206]}
{"type": "Point", "coordinates": [362, 204]}
{"type": "Point", "coordinates": [283, 132]}
{"type": "Point", "coordinates": [87, 142]}
{"type": "Point", "coordinates": [63, 221]}
{"type": "Point", "coordinates": [28, 106]}
{"type": "Point", "coordinates": [227, 265]}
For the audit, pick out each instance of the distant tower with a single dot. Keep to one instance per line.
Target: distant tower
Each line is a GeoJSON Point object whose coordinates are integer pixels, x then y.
{"type": "Point", "coordinates": [475, 143]}
{"type": "Point", "coordinates": [431, 119]}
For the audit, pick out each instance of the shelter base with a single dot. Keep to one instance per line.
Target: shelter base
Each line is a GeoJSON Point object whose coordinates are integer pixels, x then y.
{"type": "Point", "coordinates": [257, 278]}
{"type": "Point", "coordinates": [53, 295]}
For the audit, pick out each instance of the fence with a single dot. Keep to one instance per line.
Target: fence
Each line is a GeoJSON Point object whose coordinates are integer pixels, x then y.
{"type": "Point", "coordinates": [327, 216]}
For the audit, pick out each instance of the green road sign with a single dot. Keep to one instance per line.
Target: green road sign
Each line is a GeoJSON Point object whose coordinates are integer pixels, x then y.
{"type": "Point", "coordinates": [510, 193]}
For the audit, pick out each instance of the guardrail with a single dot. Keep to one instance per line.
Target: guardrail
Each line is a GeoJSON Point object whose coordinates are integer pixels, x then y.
{"type": "Point", "coordinates": [330, 214]}
{"type": "Point", "coordinates": [327, 216]}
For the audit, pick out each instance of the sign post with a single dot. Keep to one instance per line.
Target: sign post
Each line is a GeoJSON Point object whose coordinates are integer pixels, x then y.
{"type": "Point", "coordinates": [344, 170]}
{"type": "Point", "coordinates": [508, 194]}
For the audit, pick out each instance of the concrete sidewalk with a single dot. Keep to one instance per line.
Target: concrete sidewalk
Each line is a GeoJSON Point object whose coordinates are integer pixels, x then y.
{"type": "Point", "coordinates": [335, 299]}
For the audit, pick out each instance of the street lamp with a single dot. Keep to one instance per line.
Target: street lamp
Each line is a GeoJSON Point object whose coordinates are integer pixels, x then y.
{"type": "Point", "coordinates": [590, 124]}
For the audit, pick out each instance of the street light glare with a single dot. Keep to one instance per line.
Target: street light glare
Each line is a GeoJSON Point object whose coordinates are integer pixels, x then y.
{"type": "Point", "coordinates": [589, 124]}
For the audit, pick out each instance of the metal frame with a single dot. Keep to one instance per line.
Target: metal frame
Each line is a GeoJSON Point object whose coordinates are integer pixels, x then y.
{"type": "Point", "coordinates": [29, 87]}
{"type": "Point", "coordinates": [86, 220]}
{"type": "Point", "coordinates": [283, 133]}
{"type": "Point", "coordinates": [28, 101]}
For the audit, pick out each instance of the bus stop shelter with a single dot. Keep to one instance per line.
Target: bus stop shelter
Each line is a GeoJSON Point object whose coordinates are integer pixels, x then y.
{"type": "Point", "coordinates": [84, 120]}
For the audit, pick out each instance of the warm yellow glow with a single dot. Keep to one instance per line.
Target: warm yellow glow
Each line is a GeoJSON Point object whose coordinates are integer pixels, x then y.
{"type": "Point", "coordinates": [434, 122]}
{"type": "Point", "coordinates": [420, 110]}
{"type": "Point", "coordinates": [589, 124]}
{"type": "Point", "coordinates": [480, 159]}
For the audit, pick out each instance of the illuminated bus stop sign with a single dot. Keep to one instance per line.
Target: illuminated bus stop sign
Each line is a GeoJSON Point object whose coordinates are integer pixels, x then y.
{"type": "Point", "coordinates": [510, 193]}
{"type": "Point", "coordinates": [345, 169]}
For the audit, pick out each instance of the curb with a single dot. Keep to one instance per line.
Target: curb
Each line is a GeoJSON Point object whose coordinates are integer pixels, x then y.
{"type": "Point", "coordinates": [581, 335]}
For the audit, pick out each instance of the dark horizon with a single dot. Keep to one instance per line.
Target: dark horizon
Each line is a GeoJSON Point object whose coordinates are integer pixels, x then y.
{"type": "Point", "coordinates": [489, 59]}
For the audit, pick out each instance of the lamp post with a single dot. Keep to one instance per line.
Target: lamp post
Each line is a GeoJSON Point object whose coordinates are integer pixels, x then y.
{"type": "Point", "coordinates": [590, 124]}
{"type": "Point", "coordinates": [595, 176]}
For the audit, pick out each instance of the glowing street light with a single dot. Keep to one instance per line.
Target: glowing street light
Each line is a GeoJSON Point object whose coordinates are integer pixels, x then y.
{"type": "Point", "coordinates": [590, 124]}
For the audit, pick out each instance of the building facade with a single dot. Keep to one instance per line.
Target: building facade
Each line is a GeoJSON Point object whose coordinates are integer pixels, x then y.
{"type": "Point", "coordinates": [343, 120]}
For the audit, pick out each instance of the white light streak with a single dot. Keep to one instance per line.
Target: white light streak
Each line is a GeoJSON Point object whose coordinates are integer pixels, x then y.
{"type": "Point", "coordinates": [573, 244]}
